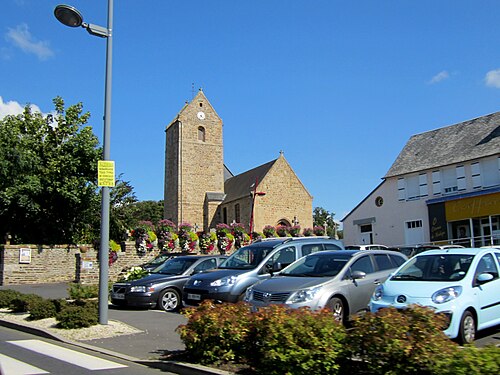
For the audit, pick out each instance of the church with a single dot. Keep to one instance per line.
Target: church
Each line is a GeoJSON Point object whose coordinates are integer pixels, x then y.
{"type": "Point", "coordinates": [201, 190]}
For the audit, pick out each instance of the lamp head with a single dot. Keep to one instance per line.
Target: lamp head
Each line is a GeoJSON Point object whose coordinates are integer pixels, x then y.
{"type": "Point", "coordinates": [68, 15]}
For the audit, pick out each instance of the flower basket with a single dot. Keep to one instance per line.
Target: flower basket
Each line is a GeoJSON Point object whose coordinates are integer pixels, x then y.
{"type": "Point", "coordinates": [294, 231]}
{"type": "Point", "coordinates": [165, 232]}
{"type": "Point", "coordinates": [207, 242]}
{"type": "Point", "coordinates": [224, 238]}
{"type": "Point", "coordinates": [238, 232]}
{"type": "Point", "coordinates": [308, 232]}
{"type": "Point", "coordinates": [187, 238]}
{"type": "Point", "coordinates": [144, 236]}
{"type": "Point", "coordinates": [319, 230]}
{"type": "Point", "coordinates": [282, 231]}
{"type": "Point", "coordinates": [269, 231]}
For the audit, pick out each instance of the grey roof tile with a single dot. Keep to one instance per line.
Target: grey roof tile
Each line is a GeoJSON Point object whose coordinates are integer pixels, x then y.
{"type": "Point", "coordinates": [465, 141]}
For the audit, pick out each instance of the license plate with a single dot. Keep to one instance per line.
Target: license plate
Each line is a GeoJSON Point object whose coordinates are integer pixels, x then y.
{"type": "Point", "coordinates": [118, 295]}
{"type": "Point", "coordinates": [195, 297]}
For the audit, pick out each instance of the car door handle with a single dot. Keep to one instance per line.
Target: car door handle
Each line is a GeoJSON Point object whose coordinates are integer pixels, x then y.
{"type": "Point", "coordinates": [376, 282]}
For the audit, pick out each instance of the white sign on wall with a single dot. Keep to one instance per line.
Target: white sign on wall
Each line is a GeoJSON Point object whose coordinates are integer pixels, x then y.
{"type": "Point", "coordinates": [25, 255]}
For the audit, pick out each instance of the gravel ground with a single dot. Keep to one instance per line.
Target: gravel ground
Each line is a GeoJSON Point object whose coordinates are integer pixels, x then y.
{"type": "Point", "coordinates": [99, 331]}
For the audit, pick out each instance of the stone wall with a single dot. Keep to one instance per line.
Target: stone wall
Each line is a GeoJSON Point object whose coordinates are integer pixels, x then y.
{"type": "Point", "coordinates": [52, 264]}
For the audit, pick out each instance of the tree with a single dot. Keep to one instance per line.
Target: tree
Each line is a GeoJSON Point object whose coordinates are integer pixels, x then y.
{"type": "Point", "coordinates": [122, 201]}
{"type": "Point", "coordinates": [48, 175]}
{"type": "Point", "coordinates": [322, 217]}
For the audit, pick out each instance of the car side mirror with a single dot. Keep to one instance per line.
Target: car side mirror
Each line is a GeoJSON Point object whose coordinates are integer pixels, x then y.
{"type": "Point", "coordinates": [358, 275]}
{"type": "Point", "coordinates": [484, 277]}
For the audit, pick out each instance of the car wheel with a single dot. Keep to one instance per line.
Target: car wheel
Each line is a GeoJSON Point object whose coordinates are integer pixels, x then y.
{"type": "Point", "coordinates": [169, 300]}
{"type": "Point", "coordinates": [336, 305]}
{"type": "Point", "coordinates": [467, 332]}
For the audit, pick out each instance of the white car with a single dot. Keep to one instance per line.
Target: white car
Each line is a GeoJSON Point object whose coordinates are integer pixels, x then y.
{"type": "Point", "coordinates": [463, 283]}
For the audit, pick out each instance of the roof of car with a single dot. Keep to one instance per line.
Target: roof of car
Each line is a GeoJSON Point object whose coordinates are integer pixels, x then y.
{"type": "Point", "coordinates": [456, 250]}
{"type": "Point", "coordinates": [200, 256]}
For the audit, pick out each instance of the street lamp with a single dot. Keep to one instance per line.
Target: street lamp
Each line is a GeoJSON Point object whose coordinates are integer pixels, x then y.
{"type": "Point", "coordinates": [254, 194]}
{"type": "Point", "coordinates": [71, 17]}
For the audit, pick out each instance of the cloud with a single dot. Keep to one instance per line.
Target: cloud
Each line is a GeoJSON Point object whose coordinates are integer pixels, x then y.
{"type": "Point", "coordinates": [441, 76]}
{"type": "Point", "coordinates": [22, 38]}
{"type": "Point", "coordinates": [493, 78]}
{"type": "Point", "coordinates": [14, 108]}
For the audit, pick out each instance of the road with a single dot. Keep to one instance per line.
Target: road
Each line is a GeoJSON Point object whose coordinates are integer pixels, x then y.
{"type": "Point", "coordinates": [22, 354]}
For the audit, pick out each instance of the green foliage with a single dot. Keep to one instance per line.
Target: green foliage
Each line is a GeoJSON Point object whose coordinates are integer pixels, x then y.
{"type": "Point", "coordinates": [276, 340]}
{"type": "Point", "coordinates": [395, 341]}
{"type": "Point", "coordinates": [134, 273]}
{"type": "Point", "coordinates": [43, 309]}
{"type": "Point", "coordinates": [322, 216]}
{"type": "Point", "coordinates": [297, 341]}
{"type": "Point", "coordinates": [217, 333]}
{"type": "Point", "coordinates": [113, 246]}
{"type": "Point", "coordinates": [78, 315]}
{"type": "Point", "coordinates": [48, 172]}
{"type": "Point", "coordinates": [79, 291]}
{"type": "Point", "coordinates": [7, 296]}
{"type": "Point", "coordinates": [471, 361]}
{"type": "Point", "coordinates": [24, 302]}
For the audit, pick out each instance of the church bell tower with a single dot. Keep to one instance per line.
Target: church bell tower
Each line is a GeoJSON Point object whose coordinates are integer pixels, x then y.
{"type": "Point", "coordinates": [194, 165]}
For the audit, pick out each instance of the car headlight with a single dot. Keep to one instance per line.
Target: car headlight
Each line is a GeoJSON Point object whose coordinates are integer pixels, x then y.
{"type": "Point", "coordinates": [378, 293]}
{"type": "Point", "coordinates": [225, 281]}
{"type": "Point", "coordinates": [304, 295]}
{"type": "Point", "coordinates": [138, 289]}
{"type": "Point", "coordinates": [446, 294]}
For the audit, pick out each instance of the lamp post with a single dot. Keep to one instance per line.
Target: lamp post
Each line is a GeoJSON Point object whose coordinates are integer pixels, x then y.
{"type": "Point", "coordinates": [71, 17]}
{"type": "Point", "coordinates": [254, 193]}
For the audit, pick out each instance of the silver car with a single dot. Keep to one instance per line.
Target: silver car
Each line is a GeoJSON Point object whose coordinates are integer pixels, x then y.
{"type": "Point", "coordinates": [342, 281]}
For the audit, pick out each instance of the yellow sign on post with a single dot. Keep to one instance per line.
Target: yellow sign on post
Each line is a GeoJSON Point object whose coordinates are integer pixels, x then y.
{"type": "Point", "coordinates": [106, 173]}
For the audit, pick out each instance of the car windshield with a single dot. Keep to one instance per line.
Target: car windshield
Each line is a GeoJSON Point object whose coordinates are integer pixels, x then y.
{"type": "Point", "coordinates": [174, 266]}
{"type": "Point", "coordinates": [159, 259]}
{"type": "Point", "coordinates": [438, 267]}
{"type": "Point", "coordinates": [317, 265]}
{"type": "Point", "coordinates": [245, 258]}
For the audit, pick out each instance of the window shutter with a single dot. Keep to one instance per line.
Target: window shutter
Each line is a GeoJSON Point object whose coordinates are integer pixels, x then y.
{"type": "Point", "coordinates": [461, 182]}
{"type": "Point", "coordinates": [401, 189]}
{"type": "Point", "coordinates": [476, 175]}
{"type": "Point", "coordinates": [436, 182]}
{"type": "Point", "coordinates": [422, 182]}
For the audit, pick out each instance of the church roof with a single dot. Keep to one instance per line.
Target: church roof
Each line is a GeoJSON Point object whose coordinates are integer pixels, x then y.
{"type": "Point", "coordinates": [465, 141]}
{"type": "Point", "coordinates": [243, 184]}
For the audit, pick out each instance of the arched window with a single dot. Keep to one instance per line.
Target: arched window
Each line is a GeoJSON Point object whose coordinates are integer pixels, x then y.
{"type": "Point", "coordinates": [201, 133]}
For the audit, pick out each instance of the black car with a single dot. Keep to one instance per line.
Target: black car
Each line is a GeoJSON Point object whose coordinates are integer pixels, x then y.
{"type": "Point", "coordinates": [162, 288]}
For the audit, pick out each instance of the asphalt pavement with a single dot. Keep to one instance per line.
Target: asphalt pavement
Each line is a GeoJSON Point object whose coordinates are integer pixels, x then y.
{"type": "Point", "coordinates": [158, 334]}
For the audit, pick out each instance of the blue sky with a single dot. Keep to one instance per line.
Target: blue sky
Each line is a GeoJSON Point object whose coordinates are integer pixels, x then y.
{"type": "Point", "coordinates": [339, 86]}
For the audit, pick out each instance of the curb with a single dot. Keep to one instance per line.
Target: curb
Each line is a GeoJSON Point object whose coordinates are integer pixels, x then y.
{"type": "Point", "coordinates": [181, 368]}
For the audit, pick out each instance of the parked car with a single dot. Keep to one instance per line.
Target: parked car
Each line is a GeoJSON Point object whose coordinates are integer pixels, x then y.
{"type": "Point", "coordinates": [342, 281]}
{"type": "Point", "coordinates": [250, 264]}
{"type": "Point", "coordinates": [461, 283]}
{"type": "Point", "coordinates": [163, 287]}
{"type": "Point", "coordinates": [411, 251]}
{"type": "Point", "coordinates": [367, 247]}
{"type": "Point", "coordinates": [157, 261]}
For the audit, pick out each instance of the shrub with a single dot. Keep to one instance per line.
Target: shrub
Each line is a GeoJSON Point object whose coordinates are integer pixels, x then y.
{"type": "Point", "coordinates": [80, 291]}
{"type": "Point", "coordinates": [471, 361]}
{"type": "Point", "coordinates": [297, 341]}
{"type": "Point", "coordinates": [395, 341]}
{"type": "Point", "coordinates": [216, 333]}
{"type": "Point", "coordinates": [24, 302]}
{"type": "Point", "coordinates": [78, 315]}
{"type": "Point", "coordinates": [7, 296]}
{"type": "Point", "coordinates": [42, 309]}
